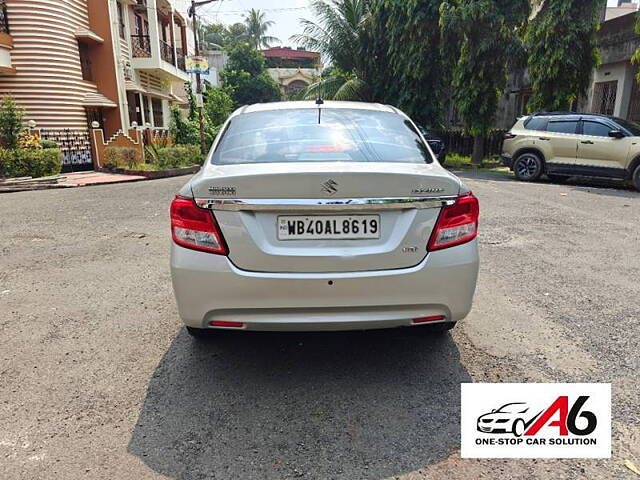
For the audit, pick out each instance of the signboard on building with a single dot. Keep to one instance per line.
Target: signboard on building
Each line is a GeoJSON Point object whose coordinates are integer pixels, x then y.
{"type": "Point", "coordinates": [197, 64]}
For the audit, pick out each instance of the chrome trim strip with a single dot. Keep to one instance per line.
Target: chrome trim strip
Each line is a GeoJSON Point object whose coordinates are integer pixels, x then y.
{"type": "Point", "coordinates": [313, 204]}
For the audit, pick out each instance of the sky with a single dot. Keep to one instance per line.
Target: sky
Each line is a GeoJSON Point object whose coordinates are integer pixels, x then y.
{"type": "Point", "coordinates": [285, 14]}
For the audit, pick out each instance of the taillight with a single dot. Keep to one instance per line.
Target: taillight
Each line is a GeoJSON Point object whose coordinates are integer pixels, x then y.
{"type": "Point", "coordinates": [457, 223]}
{"type": "Point", "coordinates": [509, 136]}
{"type": "Point", "coordinates": [194, 227]}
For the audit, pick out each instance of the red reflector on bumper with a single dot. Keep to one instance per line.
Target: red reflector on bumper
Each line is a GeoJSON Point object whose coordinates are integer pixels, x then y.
{"type": "Point", "coordinates": [219, 323]}
{"type": "Point", "coordinates": [434, 318]}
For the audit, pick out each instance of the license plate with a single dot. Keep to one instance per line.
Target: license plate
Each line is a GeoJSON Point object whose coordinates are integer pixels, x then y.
{"type": "Point", "coordinates": [329, 227]}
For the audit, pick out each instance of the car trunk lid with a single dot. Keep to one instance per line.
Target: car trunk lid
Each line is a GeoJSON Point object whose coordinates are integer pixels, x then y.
{"type": "Point", "coordinates": [255, 205]}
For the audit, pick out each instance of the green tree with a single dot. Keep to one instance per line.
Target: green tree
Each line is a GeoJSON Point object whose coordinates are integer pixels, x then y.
{"type": "Point", "coordinates": [257, 27]}
{"type": "Point", "coordinates": [561, 42]}
{"type": "Point", "coordinates": [218, 105]}
{"type": "Point", "coordinates": [406, 67]}
{"type": "Point", "coordinates": [11, 116]}
{"type": "Point", "coordinates": [245, 77]}
{"type": "Point", "coordinates": [484, 33]}
{"type": "Point", "coordinates": [217, 36]}
{"type": "Point", "coordinates": [341, 35]}
{"type": "Point", "coordinates": [193, 106]}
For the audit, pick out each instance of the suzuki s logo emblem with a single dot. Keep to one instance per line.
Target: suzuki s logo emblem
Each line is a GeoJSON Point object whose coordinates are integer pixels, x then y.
{"type": "Point", "coordinates": [330, 187]}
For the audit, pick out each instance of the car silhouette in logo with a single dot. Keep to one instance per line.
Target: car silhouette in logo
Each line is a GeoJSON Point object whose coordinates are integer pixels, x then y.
{"type": "Point", "coordinates": [510, 418]}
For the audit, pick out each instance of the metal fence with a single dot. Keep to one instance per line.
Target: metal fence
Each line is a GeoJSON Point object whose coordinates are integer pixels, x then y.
{"type": "Point", "coordinates": [75, 146]}
{"type": "Point", "coordinates": [461, 143]}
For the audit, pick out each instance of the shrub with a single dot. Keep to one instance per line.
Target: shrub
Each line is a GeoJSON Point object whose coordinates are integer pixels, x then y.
{"type": "Point", "coordinates": [27, 139]}
{"type": "Point", "coordinates": [179, 156]}
{"type": "Point", "coordinates": [28, 162]}
{"type": "Point", "coordinates": [122, 157]}
{"type": "Point", "coordinates": [183, 130]}
{"type": "Point", "coordinates": [10, 122]}
{"type": "Point", "coordinates": [49, 144]}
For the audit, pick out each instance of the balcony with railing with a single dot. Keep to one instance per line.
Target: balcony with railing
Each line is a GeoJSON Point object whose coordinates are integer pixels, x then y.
{"type": "Point", "coordinates": [159, 31]}
{"type": "Point", "coordinates": [140, 5]}
{"type": "Point", "coordinates": [141, 46]}
{"type": "Point", "coordinates": [181, 59]}
{"type": "Point", "coordinates": [167, 53]}
{"type": "Point", "coordinates": [4, 19]}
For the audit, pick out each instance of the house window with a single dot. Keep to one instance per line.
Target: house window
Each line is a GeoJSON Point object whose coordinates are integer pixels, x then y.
{"type": "Point", "coordinates": [522, 100]}
{"type": "Point", "coordinates": [158, 113]}
{"type": "Point", "coordinates": [121, 25]}
{"type": "Point", "coordinates": [634, 103]}
{"type": "Point", "coordinates": [135, 112]}
{"type": "Point", "coordinates": [147, 112]}
{"type": "Point", "coordinates": [604, 97]}
{"type": "Point", "coordinates": [85, 61]}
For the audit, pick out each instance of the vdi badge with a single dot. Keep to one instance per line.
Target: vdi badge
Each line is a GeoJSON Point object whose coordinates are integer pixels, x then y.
{"type": "Point", "coordinates": [536, 420]}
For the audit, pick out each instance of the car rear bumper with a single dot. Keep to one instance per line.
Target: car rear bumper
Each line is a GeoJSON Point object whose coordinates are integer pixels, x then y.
{"type": "Point", "coordinates": [507, 160]}
{"type": "Point", "coordinates": [210, 288]}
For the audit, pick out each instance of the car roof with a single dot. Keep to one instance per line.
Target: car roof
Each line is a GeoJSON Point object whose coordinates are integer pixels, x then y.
{"type": "Point", "coordinates": [264, 107]}
{"type": "Point", "coordinates": [572, 115]}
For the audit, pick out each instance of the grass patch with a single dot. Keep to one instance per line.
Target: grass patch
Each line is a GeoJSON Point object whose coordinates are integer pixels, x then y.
{"type": "Point", "coordinates": [462, 162]}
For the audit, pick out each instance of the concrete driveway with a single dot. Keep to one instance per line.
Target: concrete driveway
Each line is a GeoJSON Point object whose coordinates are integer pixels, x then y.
{"type": "Point", "coordinates": [99, 380]}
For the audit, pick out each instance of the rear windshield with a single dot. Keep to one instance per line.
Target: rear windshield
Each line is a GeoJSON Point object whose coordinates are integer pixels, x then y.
{"type": "Point", "coordinates": [331, 135]}
{"type": "Point", "coordinates": [536, 123]}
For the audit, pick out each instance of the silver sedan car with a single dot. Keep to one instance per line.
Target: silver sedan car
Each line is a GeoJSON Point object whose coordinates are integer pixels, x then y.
{"type": "Point", "coordinates": [323, 216]}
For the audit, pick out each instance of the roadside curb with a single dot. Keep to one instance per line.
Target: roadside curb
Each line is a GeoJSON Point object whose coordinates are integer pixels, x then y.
{"type": "Point", "coordinates": [154, 174]}
{"type": "Point", "coordinates": [134, 176]}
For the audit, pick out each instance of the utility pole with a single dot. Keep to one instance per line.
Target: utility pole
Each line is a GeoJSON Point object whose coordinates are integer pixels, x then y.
{"type": "Point", "coordinates": [192, 13]}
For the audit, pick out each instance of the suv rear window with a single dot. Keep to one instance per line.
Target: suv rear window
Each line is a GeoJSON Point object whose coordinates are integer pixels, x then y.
{"type": "Point", "coordinates": [562, 126]}
{"type": "Point", "coordinates": [331, 135]}
{"type": "Point", "coordinates": [536, 123]}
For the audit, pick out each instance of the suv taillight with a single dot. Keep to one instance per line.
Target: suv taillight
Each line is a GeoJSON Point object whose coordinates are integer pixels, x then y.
{"type": "Point", "coordinates": [457, 223]}
{"type": "Point", "coordinates": [194, 227]}
{"type": "Point", "coordinates": [509, 136]}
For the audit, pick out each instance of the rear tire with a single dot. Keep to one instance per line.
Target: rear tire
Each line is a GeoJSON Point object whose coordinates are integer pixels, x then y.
{"type": "Point", "coordinates": [528, 167]}
{"type": "Point", "coordinates": [200, 333]}
{"type": "Point", "coordinates": [635, 178]}
{"type": "Point", "coordinates": [558, 178]}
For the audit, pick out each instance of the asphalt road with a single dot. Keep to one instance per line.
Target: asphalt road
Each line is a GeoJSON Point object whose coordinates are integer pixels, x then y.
{"type": "Point", "coordinates": [99, 380]}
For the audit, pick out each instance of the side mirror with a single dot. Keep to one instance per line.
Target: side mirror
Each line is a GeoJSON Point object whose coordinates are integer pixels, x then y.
{"type": "Point", "coordinates": [616, 134]}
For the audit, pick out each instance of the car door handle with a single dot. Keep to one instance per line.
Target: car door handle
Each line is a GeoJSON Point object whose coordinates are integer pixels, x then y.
{"type": "Point", "coordinates": [544, 138]}
{"type": "Point", "coordinates": [587, 142]}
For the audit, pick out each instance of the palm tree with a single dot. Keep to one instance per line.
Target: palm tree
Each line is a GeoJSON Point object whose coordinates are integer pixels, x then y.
{"type": "Point", "coordinates": [339, 35]}
{"type": "Point", "coordinates": [257, 28]}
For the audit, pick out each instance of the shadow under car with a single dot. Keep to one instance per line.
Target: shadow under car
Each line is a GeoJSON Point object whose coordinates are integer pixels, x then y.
{"type": "Point", "coordinates": [346, 405]}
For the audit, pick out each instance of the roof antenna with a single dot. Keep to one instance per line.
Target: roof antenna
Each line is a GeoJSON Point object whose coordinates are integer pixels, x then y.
{"type": "Point", "coordinates": [319, 100]}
